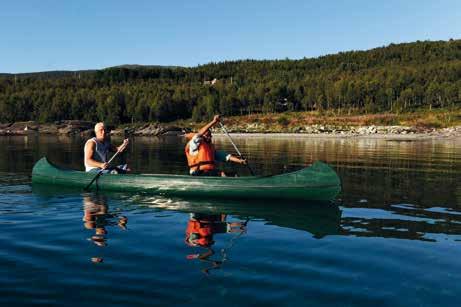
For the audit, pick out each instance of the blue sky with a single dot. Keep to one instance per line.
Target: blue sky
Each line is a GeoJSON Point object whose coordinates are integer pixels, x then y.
{"type": "Point", "coordinates": [46, 35]}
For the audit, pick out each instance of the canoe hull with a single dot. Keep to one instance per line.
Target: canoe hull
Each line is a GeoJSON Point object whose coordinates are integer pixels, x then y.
{"type": "Point", "coordinates": [318, 182]}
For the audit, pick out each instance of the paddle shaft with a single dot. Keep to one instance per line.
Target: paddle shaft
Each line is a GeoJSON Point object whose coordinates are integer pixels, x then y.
{"type": "Point", "coordinates": [235, 147]}
{"type": "Point", "coordinates": [100, 172]}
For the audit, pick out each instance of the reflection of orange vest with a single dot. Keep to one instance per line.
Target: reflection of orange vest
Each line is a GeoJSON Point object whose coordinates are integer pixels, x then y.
{"type": "Point", "coordinates": [203, 232]}
{"type": "Point", "coordinates": [204, 159]}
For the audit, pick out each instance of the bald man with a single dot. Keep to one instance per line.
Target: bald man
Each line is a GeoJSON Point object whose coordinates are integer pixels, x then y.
{"type": "Point", "coordinates": [97, 150]}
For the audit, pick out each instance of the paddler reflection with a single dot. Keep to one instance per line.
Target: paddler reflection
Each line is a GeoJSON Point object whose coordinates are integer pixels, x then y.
{"type": "Point", "coordinates": [97, 217]}
{"type": "Point", "coordinates": [200, 232]}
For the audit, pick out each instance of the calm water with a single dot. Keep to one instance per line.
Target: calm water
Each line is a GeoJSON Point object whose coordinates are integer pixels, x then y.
{"type": "Point", "coordinates": [392, 237]}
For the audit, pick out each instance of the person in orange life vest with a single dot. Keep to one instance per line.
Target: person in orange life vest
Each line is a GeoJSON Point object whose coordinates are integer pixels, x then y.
{"type": "Point", "coordinates": [97, 149]}
{"type": "Point", "coordinates": [199, 233]}
{"type": "Point", "coordinates": [201, 228]}
{"type": "Point", "coordinates": [201, 154]}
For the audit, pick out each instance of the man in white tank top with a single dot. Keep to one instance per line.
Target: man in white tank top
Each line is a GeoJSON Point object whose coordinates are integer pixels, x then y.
{"type": "Point", "coordinates": [97, 150]}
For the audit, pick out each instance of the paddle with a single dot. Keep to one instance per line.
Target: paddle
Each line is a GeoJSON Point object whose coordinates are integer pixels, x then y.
{"type": "Point", "coordinates": [236, 149]}
{"type": "Point", "coordinates": [100, 172]}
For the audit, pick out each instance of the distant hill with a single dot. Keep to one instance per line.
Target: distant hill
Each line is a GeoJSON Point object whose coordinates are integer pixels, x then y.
{"type": "Point", "coordinates": [58, 73]}
{"type": "Point", "coordinates": [137, 66]}
{"type": "Point", "coordinates": [394, 78]}
{"type": "Point", "coordinates": [48, 74]}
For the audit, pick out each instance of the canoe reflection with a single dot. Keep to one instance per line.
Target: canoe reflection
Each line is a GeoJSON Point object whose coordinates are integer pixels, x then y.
{"type": "Point", "coordinates": [319, 219]}
{"type": "Point", "coordinates": [368, 219]}
{"type": "Point", "coordinates": [96, 217]}
{"type": "Point", "coordinates": [200, 232]}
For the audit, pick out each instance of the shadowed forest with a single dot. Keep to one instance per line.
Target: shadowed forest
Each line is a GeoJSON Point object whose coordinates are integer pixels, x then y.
{"type": "Point", "coordinates": [397, 78]}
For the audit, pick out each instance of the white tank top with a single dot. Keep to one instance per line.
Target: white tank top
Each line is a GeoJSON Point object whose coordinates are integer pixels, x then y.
{"type": "Point", "coordinates": [100, 152]}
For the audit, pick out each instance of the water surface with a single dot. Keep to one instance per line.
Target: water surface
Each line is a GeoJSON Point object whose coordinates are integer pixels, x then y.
{"type": "Point", "coordinates": [391, 238]}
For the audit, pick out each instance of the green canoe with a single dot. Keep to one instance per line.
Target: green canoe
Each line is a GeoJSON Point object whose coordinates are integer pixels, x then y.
{"type": "Point", "coordinates": [317, 182]}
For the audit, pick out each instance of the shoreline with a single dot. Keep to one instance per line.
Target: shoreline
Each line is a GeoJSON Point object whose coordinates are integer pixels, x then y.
{"type": "Point", "coordinates": [85, 129]}
{"type": "Point", "coordinates": [389, 137]}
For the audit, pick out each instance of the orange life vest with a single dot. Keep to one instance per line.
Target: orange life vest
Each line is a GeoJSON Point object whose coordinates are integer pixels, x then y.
{"type": "Point", "coordinates": [204, 159]}
{"type": "Point", "coordinates": [202, 233]}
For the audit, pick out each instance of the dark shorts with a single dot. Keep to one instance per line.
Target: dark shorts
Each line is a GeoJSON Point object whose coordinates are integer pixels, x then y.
{"type": "Point", "coordinates": [119, 169]}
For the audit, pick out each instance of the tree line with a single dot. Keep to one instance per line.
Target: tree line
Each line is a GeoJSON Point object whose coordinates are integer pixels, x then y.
{"type": "Point", "coordinates": [395, 78]}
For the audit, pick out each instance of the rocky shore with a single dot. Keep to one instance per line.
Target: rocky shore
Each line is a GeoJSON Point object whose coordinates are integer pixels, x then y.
{"type": "Point", "coordinates": [352, 131]}
{"type": "Point", "coordinates": [70, 127]}
{"type": "Point", "coordinates": [85, 129]}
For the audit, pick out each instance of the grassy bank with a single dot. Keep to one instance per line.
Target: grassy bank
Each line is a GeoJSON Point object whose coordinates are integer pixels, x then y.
{"type": "Point", "coordinates": [291, 121]}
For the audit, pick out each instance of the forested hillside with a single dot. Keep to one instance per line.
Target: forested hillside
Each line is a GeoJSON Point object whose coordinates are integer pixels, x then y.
{"type": "Point", "coordinates": [396, 78]}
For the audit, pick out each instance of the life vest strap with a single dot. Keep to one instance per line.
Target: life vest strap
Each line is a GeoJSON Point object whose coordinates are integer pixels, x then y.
{"type": "Point", "coordinates": [201, 163]}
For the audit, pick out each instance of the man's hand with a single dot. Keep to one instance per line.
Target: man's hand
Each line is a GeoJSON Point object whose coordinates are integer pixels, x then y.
{"type": "Point", "coordinates": [103, 165]}
{"type": "Point", "coordinates": [216, 119]}
{"type": "Point", "coordinates": [243, 161]}
{"type": "Point", "coordinates": [124, 145]}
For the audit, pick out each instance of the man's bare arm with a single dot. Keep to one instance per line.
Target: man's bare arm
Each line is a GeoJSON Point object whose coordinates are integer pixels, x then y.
{"type": "Point", "coordinates": [208, 126]}
{"type": "Point", "coordinates": [235, 159]}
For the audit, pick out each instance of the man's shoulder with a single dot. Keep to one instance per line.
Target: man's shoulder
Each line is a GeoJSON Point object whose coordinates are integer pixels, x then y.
{"type": "Point", "coordinates": [190, 136]}
{"type": "Point", "coordinates": [90, 142]}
